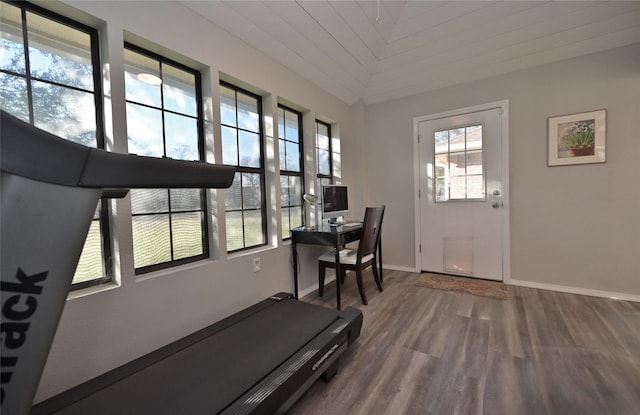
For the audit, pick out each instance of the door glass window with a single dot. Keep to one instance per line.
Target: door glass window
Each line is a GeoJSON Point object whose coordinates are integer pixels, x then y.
{"type": "Point", "coordinates": [458, 164]}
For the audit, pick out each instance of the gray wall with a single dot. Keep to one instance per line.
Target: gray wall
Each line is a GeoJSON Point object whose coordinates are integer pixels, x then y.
{"type": "Point", "coordinates": [572, 227]}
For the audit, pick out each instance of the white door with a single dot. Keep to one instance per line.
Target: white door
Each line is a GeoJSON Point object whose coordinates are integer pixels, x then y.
{"type": "Point", "coordinates": [462, 194]}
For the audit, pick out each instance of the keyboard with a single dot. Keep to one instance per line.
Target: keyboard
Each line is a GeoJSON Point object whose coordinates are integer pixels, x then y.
{"type": "Point", "coordinates": [351, 224]}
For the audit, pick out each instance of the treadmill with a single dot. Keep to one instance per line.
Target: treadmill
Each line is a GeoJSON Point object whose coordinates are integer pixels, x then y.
{"type": "Point", "coordinates": [257, 361]}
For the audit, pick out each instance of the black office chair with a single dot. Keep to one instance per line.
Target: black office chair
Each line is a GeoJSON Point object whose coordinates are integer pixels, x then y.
{"type": "Point", "coordinates": [357, 260]}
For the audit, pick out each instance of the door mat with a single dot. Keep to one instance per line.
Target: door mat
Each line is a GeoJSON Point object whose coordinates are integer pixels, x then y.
{"type": "Point", "coordinates": [473, 286]}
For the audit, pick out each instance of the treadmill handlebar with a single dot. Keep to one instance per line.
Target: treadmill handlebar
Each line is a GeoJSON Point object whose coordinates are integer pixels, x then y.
{"type": "Point", "coordinates": [32, 153]}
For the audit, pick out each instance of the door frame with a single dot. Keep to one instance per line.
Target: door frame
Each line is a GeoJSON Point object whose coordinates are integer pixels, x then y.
{"type": "Point", "coordinates": [504, 158]}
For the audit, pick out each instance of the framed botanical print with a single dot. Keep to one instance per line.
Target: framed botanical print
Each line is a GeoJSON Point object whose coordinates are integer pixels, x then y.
{"type": "Point", "coordinates": [577, 138]}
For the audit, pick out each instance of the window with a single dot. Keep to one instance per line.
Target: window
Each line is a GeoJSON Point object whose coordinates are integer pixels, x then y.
{"type": "Point", "coordinates": [458, 169]}
{"type": "Point", "coordinates": [242, 146]}
{"type": "Point", "coordinates": [50, 77]}
{"type": "Point", "coordinates": [324, 153]}
{"type": "Point", "coordinates": [164, 119]}
{"type": "Point", "coordinates": [291, 168]}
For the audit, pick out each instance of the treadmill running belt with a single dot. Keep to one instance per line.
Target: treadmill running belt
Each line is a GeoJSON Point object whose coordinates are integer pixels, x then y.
{"type": "Point", "coordinates": [212, 373]}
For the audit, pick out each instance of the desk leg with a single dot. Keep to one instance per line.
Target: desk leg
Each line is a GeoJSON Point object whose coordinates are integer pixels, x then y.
{"type": "Point", "coordinates": [338, 274]}
{"type": "Point", "coordinates": [380, 259]}
{"type": "Point", "coordinates": [295, 266]}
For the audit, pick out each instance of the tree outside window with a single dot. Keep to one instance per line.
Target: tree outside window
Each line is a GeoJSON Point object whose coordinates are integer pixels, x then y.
{"type": "Point", "coordinates": [324, 162]}
{"type": "Point", "coordinates": [50, 77]}
{"type": "Point", "coordinates": [164, 120]}
{"type": "Point", "coordinates": [291, 168]}
{"type": "Point", "coordinates": [242, 138]}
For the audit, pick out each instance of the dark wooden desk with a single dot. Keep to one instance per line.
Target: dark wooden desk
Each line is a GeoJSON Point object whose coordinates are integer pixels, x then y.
{"type": "Point", "coordinates": [325, 235]}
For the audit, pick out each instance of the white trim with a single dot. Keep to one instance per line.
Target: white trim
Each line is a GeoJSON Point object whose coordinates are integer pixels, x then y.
{"type": "Point", "coordinates": [399, 268]}
{"type": "Point", "coordinates": [314, 287]}
{"type": "Point", "coordinates": [386, 267]}
{"type": "Point", "coordinates": [576, 290]}
{"type": "Point", "coordinates": [506, 245]}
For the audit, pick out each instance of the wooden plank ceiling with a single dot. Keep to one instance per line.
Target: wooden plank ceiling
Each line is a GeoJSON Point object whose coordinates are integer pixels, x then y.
{"type": "Point", "coordinates": [382, 50]}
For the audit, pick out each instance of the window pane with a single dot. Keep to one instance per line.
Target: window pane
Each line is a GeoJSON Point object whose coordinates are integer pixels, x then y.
{"type": "Point", "coordinates": [474, 137]}
{"type": "Point", "coordinates": [151, 240]}
{"type": "Point", "coordinates": [13, 96]}
{"type": "Point", "coordinates": [323, 153]}
{"type": "Point", "coordinates": [186, 199]}
{"type": "Point", "coordinates": [137, 89]}
{"type": "Point", "coordinates": [293, 156]}
{"type": "Point", "coordinates": [475, 187]}
{"type": "Point", "coordinates": [251, 191]}
{"type": "Point", "coordinates": [296, 217]}
{"type": "Point", "coordinates": [442, 142]}
{"type": "Point", "coordinates": [324, 166]}
{"type": "Point", "coordinates": [149, 201]}
{"type": "Point", "coordinates": [474, 162]}
{"type": "Point", "coordinates": [233, 195]}
{"type": "Point", "coordinates": [457, 187]}
{"type": "Point", "coordinates": [59, 53]}
{"type": "Point", "coordinates": [144, 129]}
{"type": "Point", "coordinates": [182, 137]}
{"type": "Point", "coordinates": [322, 137]}
{"type": "Point", "coordinates": [286, 227]}
{"type": "Point", "coordinates": [11, 43]}
{"type": "Point", "coordinates": [458, 164]}
{"type": "Point", "coordinates": [284, 193]}
{"type": "Point", "coordinates": [63, 112]}
{"type": "Point", "coordinates": [235, 232]}
{"type": "Point", "coordinates": [91, 263]}
{"type": "Point", "coordinates": [253, 228]}
{"type": "Point", "coordinates": [295, 190]}
{"type": "Point", "coordinates": [229, 146]}
{"type": "Point", "coordinates": [179, 90]}
{"type": "Point", "coordinates": [228, 106]}
{"type": "Point", "coordinates": [248, 118]}
{"type": "Point", "coordinates": [291, 126]}
{"type": "Point", "coordinates": [441, 190]}
{"type": "Point", "coordinates": [281, 133]}
{"type": "Point", "coordinates": [249, 149]}
{"type": "Point", "coordinates": [291, 218]}
{"type": "Point", "coordinates": [187, 234]}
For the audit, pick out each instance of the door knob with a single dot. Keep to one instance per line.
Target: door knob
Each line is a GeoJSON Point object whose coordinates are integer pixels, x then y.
{"type": "Point", "coordinates": [496, 205]}
{"type": "Point", "coordinates": [496, 192]}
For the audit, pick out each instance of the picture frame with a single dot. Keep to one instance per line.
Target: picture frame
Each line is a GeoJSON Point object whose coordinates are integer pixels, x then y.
{"type": "Point", "coordinates": [577, 138]}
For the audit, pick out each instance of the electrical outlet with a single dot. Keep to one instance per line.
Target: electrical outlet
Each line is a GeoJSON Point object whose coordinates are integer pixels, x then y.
{"type": "Point", "coordinates": [256, 264]}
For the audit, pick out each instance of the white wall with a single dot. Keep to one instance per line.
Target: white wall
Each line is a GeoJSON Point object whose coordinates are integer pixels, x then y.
{"type": "Point", "coordinates": [103, 330]}
{"type": "Point", "coordinates": [574, 228]}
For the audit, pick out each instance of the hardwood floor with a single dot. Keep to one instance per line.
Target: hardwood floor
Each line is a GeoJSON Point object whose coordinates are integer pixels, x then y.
{"type": "Point", "coordinates": [426, 351]}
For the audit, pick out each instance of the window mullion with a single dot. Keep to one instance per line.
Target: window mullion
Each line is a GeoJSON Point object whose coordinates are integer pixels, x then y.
{"type": "Point", "coordinates": [27, 64]}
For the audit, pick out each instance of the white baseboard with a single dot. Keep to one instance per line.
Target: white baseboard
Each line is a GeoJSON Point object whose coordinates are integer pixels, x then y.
{"type": "Point", "coordinates": [386, 267]}
{"type": "Point", "coordinates": [576, 290]}
{"type": "Point", "coordinates": [398, 268]}
{"type": "Point", "coordinates": [314, 287]}
{"type": "Point", "coordinates": [522, 283]}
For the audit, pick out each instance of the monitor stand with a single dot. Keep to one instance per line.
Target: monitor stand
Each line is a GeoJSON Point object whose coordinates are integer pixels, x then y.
{"type": "Point", "coordinates": [334, 222]}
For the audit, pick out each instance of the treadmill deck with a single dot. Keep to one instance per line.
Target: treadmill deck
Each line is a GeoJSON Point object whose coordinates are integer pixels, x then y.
{"type": "Point", "coordinates": [208, 371]}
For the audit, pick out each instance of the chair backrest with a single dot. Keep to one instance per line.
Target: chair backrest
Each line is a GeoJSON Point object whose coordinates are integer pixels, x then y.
{"type": "Point", "coordinates": [370, 231]}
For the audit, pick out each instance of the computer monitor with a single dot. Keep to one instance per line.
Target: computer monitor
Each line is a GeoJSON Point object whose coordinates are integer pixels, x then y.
{"type": "Point", "coordinates": [334, 202]}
